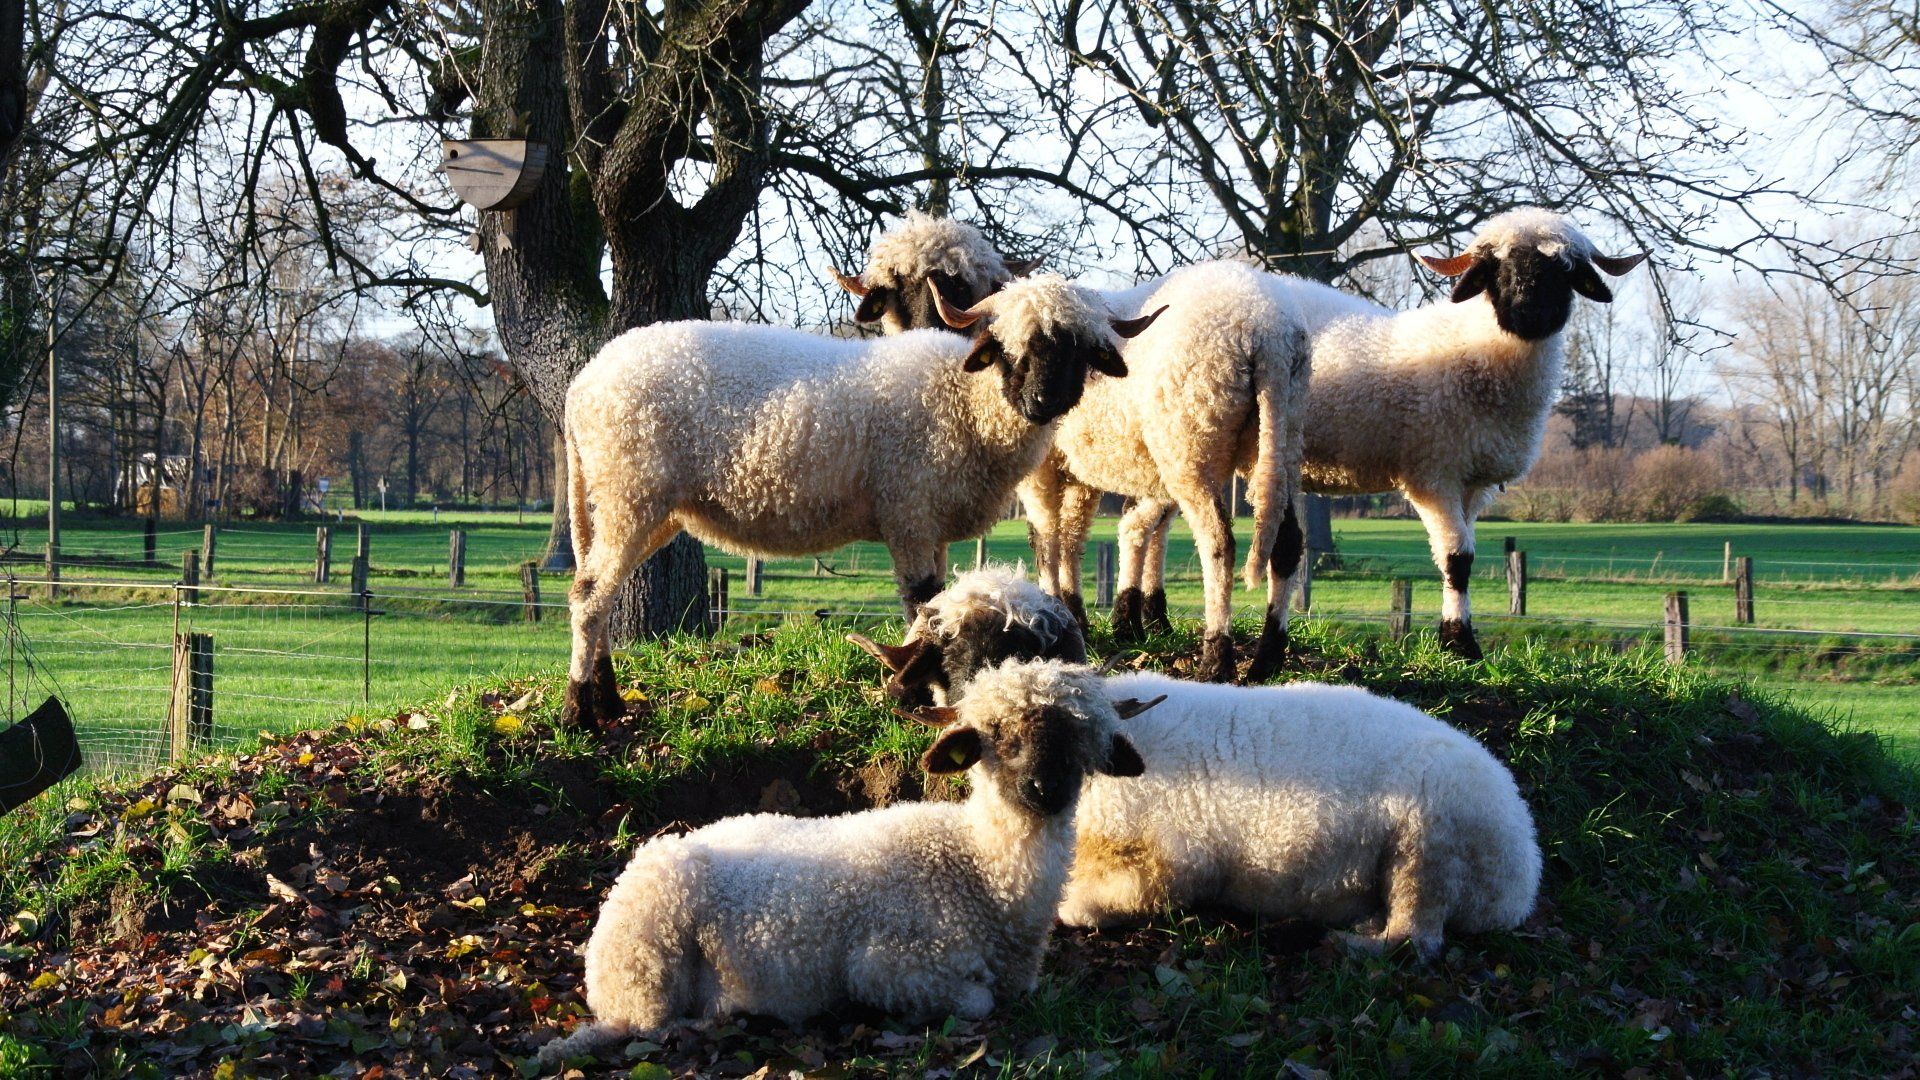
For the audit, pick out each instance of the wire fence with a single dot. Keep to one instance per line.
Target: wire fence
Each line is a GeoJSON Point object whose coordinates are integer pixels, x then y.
{"type": "Point", "coordinates": [291, 646]}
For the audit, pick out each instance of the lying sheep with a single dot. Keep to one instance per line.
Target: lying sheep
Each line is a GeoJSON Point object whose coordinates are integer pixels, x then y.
{"type": "Point", "coordinates": [1306, 801]}
{"type": "Point", "coordinates": [1215, 390]}
{"type": "Point", "coordinates": [922, 909]}
{"type": "Point", "coordinates": [769, 441]}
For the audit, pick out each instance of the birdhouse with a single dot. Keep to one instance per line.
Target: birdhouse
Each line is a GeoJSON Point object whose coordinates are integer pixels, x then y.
{"type": "Point", "coordinates": [493, 174]}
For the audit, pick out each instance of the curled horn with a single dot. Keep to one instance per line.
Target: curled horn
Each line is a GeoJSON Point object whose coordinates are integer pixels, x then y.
{"type": "Point", "coordinates": [1618, 264]}
{"type": "Point", "coordinates": [1448, 266]}
{"type": "Point", "coordinates": [1128, 708]}
{"type": "Point", "coordinates": [1023, 267]}
{"type": "Point", "coordinates": [952, 316]}
{"type": "Point", "coordinates": [852, 284]}
{"type": "Point", "coordinates": [1127, 328]}
{"type": "Point", "coordinates": [933, 716]}
{"type": "Point", "coordinates": [1106, 666]}
{"type": "Point", "coordinates": [895, 657]}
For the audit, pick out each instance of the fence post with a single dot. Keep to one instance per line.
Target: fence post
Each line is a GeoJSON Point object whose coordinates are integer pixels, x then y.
{"type": "Point", "coordinates": [1726, 562]}
{"type": "Point", "coordinates": [457, 557]}
{"type": "Point", "coordinates": [979, 552]}
{"type": "Point", "coordinates": [148, 555]}
{"type": "Point", "coordinates": [1516, 582]}
{"type": "Point", "coordinates": [322, 554]}
{"type": "Point", "coordinates": [206, 550]}
{"type": "Point", "coordinates": [190, 710]}
{"type": "Point", "coordinates": [359, 584]}
{"type": "Point", "coordinates": [1743, 590]}
{"type": "Point", "coordinates": [1105, 558]}
{"type": "Point", "coordinates": [190, 576]}
{"type": "Point", "coordinates": [1676, 627]}
{"type": "Point", "coordinates": [530, 590]}
{"type": "Point", "coordinates": [717, 599]}
{"type": "Point", "coordinates": [1400, 615]}
{"type": "Point", "coordinates": [755, 569]}
{"type": "Point", "coordinates": [53, 572]}
{"type": "Point", "coordinates": [1303, 599]}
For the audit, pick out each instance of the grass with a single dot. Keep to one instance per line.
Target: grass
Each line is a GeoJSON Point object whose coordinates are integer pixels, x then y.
{"type": "Point", "coordinates": [285, 659]}
{"type": "Point", "coordinates": [1730, 887]}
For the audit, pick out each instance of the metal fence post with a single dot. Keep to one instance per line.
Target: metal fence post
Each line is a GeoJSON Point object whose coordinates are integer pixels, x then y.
{"type": "Point", "coordinates": [1743, 590]}
{"type": "Point", "coordinates": [1676, 627]}
{"type": "Point", "coordinates": [1400, 615]}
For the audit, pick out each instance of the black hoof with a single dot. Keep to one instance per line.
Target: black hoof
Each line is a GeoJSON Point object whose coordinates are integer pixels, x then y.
{"type": "Point", "coordinates": [1456, 637]}
{"type": "Point", "coordinates": [1216, 659]}
{"type": "Point", "coordinates": [1155, 613]}
{"type": "Point", "coordinates": [1079, 609]}
{"type": "Point", "coordinates": [1126, 615]}
{"type": "Point", "coordinates": [578, 711]}
{"type": "Point", "coordinates": [608, 704]}
{"type": "Point", "coordinates": [1270, 655]}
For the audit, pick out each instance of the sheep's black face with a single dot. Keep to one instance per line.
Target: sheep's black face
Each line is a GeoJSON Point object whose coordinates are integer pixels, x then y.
{"type": "Point", "coordinates": [1043, 759]}
{"type": "Point", "coordinates": [982, 640]}
{"type": "Point", "coordinates": [1531, 293]}
{"type": "Point", "coordinates": [1046, 380]}
{"type": "Point", "coordinates": [910, 307]}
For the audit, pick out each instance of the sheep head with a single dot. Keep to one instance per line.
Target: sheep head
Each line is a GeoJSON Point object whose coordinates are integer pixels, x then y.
{"type": "Point", "coordinates": [984, 619]}
{"type": "Point", "coordinates": [1530, 263]}
{"type": "Point", "coordinates": [951, 256]}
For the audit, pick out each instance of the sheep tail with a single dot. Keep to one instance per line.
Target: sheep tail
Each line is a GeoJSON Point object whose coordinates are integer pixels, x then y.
{"type": "Point", "coordinates": [1275, 474]}
{"type": "Point", "coordinates": [582, 521]}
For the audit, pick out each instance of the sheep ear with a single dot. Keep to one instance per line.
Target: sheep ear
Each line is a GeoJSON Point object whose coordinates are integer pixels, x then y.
{"type": "Point", "coordinates": [1123, 759]}
{"type": "Point", "coordinates": [1107, 362]}
{"type": "Point", "coordinates": [955, 751]}
{"type": "Point", "coordinates": [983, 354]}
{"type": "Point", "coordinates": [1587, 283]}
{"type": "Point", "coordinates": [1023, 267]}
{"type": "Point", "coordinates": [895, 657]}
{"type": "Point", "coordinates": [1128, 708]}
{"type": "Point", "coordinates": [873, 305]}
{"type": "Point", "coordinates": [1474, 281]}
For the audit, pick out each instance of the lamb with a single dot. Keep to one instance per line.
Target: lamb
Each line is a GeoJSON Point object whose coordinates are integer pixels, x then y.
{"type": "Point", "coordinates": [771, 441]}
{"type": "Point", "coordinates": [1307, 801]}
{"type": "Point", "coordinates": [922, 909]}
{"type": "Point", "coordinates": [1445, 403]}
{"type": "Point", "coordinates": [1215, 390]}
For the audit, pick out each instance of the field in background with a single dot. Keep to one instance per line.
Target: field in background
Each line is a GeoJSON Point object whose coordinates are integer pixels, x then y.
{"type": "Point", "coordinates": [289, 654]}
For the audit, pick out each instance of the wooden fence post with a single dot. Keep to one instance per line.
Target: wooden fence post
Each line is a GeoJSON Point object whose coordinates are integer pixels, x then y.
{"type": "Point", "coordinates": [322, 555]}
{"type": "Point", "coordinates": [53, 572]}
{"type": "Point", "coordinates": [717, 599]}
{"type": "Point", "coordinates": [190, 710]}
{"type": "Point", "coordinates": [1676, 627]}
{"type": "Point", "coordinates": [979, 552]}
{"type": "Point", "coordinates": [457, 558]}
{"type": "Point", "coordinates": [1400, 615]}
{"type": "Point", "coordinates": [363, 543]}
{"type": "Point", "coordinates": [1105, 558]}
{"type": "Point", "coordinates": [147, 553]}
{"type": "Point", "coordinates": [756, 570]}
{"type": "Point", "coordinates": [1743, 590]}
{"type": "Point", "coordinates": [1516, 582]}
{"type": "Point", "coordinates": [1303, 599]}
{"type": "Point", "coordinates": [530, 590]}
{"type": "Point", "coordinates": [206, 550]}
{"type": "Point", "coordinates": [190, 576]}
{"type": "Point", "coordinates": [1726, 563]}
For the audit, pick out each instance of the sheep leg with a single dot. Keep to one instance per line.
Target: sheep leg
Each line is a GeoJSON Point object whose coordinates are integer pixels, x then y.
{"type": "Point", "coordinates": [622, 541]}
{"type": "Point", "coordinates": [1212, 525]}
{"type": "Point", "coordinates": [1077, 504]}
{"type": "Point", "coordinates": [1271, 652]}
{"type": "Point", "coordinates": [1040, 498]}
{"type": "Point", "coordinates": [917, 573]}
{"type": "Point", "coordinates": [1153, 579]}
{"type": "Point", "coordinates": [1139, 526]}
{"type": "Point", "coordinates": [1417, 902]}
{"type": "Point", "coordinates": [1450, 535]}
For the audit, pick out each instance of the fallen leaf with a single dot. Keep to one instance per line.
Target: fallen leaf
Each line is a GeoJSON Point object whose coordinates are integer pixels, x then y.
{"type": "Point", "coordinates": [183, 793]}
{"type": "Point", "coordinates": [331, 880]}
{"type": "Point", "coordinates": [508, 724]}
{"type": "Point", "coordinates": [140, 809]}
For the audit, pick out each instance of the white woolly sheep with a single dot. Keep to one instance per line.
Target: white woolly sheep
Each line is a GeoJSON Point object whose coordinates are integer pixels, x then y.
{"type": "Point", "coordinates": [1214, 390]}
{"type": "Point", "coordinates": [769, 441]}
{"type": "Point", "coordinates": [951, 256]}
{"type": "Point", "coordinates": [1308, 801]}
{"type": "Point", "coordinates": [922, 909]}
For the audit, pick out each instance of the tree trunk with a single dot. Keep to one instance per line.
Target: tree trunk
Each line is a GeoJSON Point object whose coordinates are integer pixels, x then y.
{"type": "Point", "coordinates": [559, 554]}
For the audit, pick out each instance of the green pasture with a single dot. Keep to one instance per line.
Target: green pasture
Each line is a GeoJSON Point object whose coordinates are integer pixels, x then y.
{"type": "Point", "coordinates": [291, 654]}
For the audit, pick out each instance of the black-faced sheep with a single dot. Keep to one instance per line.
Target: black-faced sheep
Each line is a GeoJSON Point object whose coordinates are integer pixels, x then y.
{"type": "Point", "coordinates": [769, 441]}
{"type": "Point", "coordinates": [923, 909]}
{"type": "Point", "coordinates": [1215, 389]}
{"type": "Point", "coordinates": [1306, 801]}
{"type": "Point", "coordinates": [926, 250]}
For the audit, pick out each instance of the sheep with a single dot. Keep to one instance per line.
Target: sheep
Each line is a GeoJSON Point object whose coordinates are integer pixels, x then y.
{"type": "Point", "coordinates": [1307, 801]}
{"type": "Point", "coordinates": [1216, 390]}
{"type": "Point", "coordinates": [951, 256]}
{"type": "Point", "coordinates": [769, 441]}
{"type": "Point", "coordinates": [923, 909]}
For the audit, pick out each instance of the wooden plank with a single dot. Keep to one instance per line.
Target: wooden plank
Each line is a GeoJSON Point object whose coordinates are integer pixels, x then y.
{"type": "Point", "coordinates": [493, 174]}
